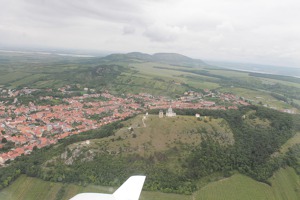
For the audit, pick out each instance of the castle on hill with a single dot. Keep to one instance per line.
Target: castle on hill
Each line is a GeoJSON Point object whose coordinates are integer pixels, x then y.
{"type": "Point", "coordinates": [169, 113]}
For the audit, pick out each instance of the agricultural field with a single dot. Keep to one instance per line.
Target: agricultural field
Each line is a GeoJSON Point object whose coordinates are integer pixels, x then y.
{"type": "Point", "coordinates": [137, 83]}
{"type": "Point", "coordinates": [229, 73]}
{"type": "Point", "coordinates": [255, 88]}
{"type": "Point", "coordinates": [291, 142]}
{"type": "Point", "coordinates": [25, 70]}
{"type": "Point", "coordinates": [285, 184]}
{"type": "Point", "coordinates": [201, 84]}
{"type": "Point", "coordinates": [258, 97]}
{"type": "Point", "coordinates": [13, 76]}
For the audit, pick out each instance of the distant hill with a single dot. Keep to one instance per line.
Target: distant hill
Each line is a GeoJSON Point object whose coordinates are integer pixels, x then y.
{"type": "Point", "coordinates": [167, 58]}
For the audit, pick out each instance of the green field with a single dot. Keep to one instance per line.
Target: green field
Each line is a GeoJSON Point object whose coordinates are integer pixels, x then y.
{"type": "Point", "coordinates": [285, 186]}
{"type": "Point", "coordinates": [230, 73]}
{"type": "Point", "coordinates": [256, 96]}
{"type": "Point", "coordinates": [13, 76]}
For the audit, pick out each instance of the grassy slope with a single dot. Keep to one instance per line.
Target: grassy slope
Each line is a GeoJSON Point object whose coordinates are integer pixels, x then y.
{"type": "Point", "coordinates": [160, 134]}
{"type": "Point", "coordinates": [173, 137]}
{"type": "Point", "coordinates": [285, 186]}
{"type": "Point", "coordinates": [147, 76]}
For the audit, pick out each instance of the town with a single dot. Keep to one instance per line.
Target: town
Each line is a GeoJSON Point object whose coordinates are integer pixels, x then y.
{"type": "Point", "coordinates": [26, 126]}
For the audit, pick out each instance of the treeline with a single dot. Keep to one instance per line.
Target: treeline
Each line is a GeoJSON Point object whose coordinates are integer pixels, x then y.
{"type": "Point", "coordinates": [276, 77]}
{"type": "Point", "coordinates": [293, 157]}
{"type": "Point", "coordinates": [98, 77]}
{"type": "Point", "coordinates": [280, 97]}
{"type": "Point", "coordinates": [113, 170]}
{"type": "Point", "coordinates": [285, 99]}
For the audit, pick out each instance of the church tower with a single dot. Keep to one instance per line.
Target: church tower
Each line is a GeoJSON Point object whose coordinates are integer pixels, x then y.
{"type": "Point", "coordinates": [161, 114]}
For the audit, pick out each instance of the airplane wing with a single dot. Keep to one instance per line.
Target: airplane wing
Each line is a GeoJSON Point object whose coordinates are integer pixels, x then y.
{"type": "Point", "coordinates": [93, 196]}
{"type": "Point", "coordinates": [130, 190]}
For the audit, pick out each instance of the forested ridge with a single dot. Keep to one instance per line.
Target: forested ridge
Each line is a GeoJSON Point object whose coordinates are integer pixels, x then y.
{"type": "Point", "coordinates": [250, 154]}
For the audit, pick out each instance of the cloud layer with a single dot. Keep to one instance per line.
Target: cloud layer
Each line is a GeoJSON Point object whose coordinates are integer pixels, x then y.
{"type": "Point", "coordinates": [261, 31]}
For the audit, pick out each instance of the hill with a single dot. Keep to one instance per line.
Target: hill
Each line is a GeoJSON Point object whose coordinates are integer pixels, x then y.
{"type": "Point", "coordinates": [166, 58]}
{"type": "Point", "coordinates": [183, 148]}
{"type": "Point", "coordinates": [153, 146]}
{"type": "Point", "coordinates": [154, 134]}
{"type": "Point", "coordinates": [156, 140]}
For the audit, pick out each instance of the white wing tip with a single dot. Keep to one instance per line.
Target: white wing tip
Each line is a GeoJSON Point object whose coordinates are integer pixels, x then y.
{"type": "Point", "coordinates": [131, 189]}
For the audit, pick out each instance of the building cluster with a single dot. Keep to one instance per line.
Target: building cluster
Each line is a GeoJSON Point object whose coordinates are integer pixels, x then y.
{"type": "Point", "coordinates": [25, 127]}
{"type": "Point", "coordinates": [169, 113]}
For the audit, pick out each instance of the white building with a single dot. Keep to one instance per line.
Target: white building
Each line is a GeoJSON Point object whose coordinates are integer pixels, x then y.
{"type": "Point", "coordinates": [2, 161]}
{"type": "Point", "coordinates": [170, 113]}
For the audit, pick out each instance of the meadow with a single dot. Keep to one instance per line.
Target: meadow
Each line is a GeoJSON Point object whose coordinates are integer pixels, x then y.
{"type": "Point", "coordinates": [284, 185]}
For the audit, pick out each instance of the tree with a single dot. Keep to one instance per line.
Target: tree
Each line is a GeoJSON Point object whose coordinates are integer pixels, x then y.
{"type": "Point", "coordinates": [4, 140]}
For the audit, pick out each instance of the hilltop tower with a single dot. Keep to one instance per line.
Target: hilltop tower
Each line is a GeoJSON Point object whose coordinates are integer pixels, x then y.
{"type": "Point", "coordinates": [161, 114]}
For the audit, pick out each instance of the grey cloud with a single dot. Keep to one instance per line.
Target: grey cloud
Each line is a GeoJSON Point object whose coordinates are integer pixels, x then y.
{"type": "Point", "coordinates": [66, 12]}
{"type": "Point", "coordinates": [162, 33]}
{"type": "Point", "coordinates": [127, 30]}
{"type": "Point", "coordinates": [231, 29]}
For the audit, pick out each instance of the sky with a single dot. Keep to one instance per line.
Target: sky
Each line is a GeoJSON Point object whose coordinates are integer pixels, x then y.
{"type": "Point", "coordinates": [258, 31]}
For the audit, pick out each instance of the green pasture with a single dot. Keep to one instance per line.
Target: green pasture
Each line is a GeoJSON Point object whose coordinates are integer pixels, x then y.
{"type": "Point", "coordinates": [285, 185]}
